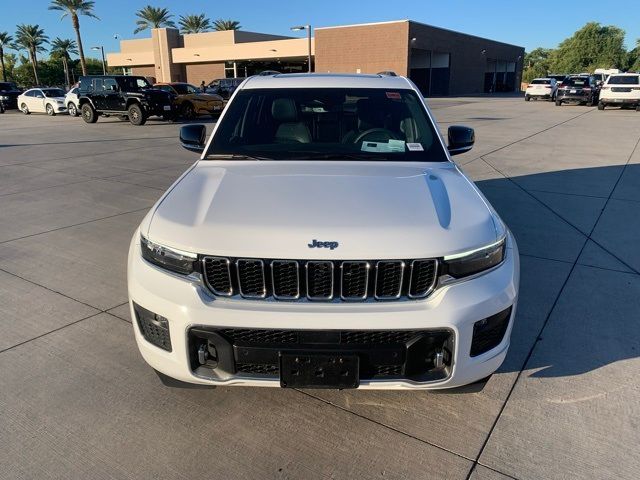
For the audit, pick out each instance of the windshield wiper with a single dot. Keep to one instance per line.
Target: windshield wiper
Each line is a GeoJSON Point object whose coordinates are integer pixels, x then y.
{"type": "Point", "coordinates": [238, 156]}
{"type": "Point", "coordinates": [341, 156]}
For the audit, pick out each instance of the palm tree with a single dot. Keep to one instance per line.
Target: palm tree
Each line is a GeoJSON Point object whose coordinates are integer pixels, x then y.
{"type": "Point", "coordinates": [73, 8]}
{"type": "Point", "coordinates": [152, 17]}
{"type": "Point", "coordinates": [221, 24]}
{"type": "Point", "coordinates": [32, 39]}
{"type": "Point", "coordinates": [5, 42]}
{"type": "Point", "coordinates": [63, 48]}
{"type": "Point", "coordinates": [194, 23]}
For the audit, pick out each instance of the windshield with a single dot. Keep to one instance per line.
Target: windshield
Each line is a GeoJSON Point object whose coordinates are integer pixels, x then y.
{"type": "Point", "coordinates": [53, 92]}
{"type": "Point", "coordinates": [7, 87]}
{"type": "Point", "coordinates": [327, 123]}
{"type": "Point", "coordinates": [624, 80]}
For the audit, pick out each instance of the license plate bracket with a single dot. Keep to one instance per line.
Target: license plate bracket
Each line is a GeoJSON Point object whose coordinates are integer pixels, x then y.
{"type": "Point", "coordinates": [319, 370]}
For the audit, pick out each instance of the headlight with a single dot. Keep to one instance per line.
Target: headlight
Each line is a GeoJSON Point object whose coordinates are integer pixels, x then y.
{"type": "Point", "coordinates": [4, 97]}
{"type": "Point", "coordinates": [168, 258]}
{"type": "Point", "coordinates": [476, 261]}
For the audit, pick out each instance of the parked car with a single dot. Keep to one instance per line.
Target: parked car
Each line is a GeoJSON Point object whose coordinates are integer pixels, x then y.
{"type": "Point", "coordinates": [190, 101]}
{"type": "Point", "coordinates": [325, 239]}
{"type": "Point", "coordinates": [71, 101]}
{"type": "Point", "coordinates": [126, 96]}
{"type": "Point", "coordinates": [544, 88]}
{"type": "Point", "coordinates": [9, 93]}
{"type": "Point", "coordinates": [621, 89]}
{"type": "Point", "coordinates": [42, 100]}
{"type": "Point", "coordinates": [224, 86]}
{"type": "Point", "coordinates": [580, 89]}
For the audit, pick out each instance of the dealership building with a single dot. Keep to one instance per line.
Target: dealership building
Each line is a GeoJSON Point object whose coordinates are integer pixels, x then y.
{"type": "Point", "coordinates": [440, 62]}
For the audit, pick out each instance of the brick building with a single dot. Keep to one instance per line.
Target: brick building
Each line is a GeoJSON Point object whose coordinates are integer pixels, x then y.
{"type": "Point", "coordinates": [439, 61]}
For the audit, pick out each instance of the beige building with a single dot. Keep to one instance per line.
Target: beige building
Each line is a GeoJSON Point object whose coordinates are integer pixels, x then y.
{"type": "Point", "coordinates": [439, 61]}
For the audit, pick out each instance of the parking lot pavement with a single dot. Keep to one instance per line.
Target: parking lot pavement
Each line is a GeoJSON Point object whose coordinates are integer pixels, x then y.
{"type": "Point", "coordinates": [77, 400]}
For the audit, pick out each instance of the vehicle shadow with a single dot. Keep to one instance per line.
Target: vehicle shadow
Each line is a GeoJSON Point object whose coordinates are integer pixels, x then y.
{"type": "Point", "coordinates": [571, 327]}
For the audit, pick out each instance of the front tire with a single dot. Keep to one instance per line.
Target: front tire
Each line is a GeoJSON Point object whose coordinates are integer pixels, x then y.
{"type": "Point", "coordinates": [558, 102]}
{"type": "Point", "coordinates": [24, 109]}
{"type": "Point", "coordinates": [136, 115]}
{"type": "Point", "coordinates": [600, 106]}
{"type": "Point", "coordinates": [89, 114]}
{"type": "Point", "coordinates": [49, 109]}
{"type": "Point", "coordinates": [527, 98]}
{"type": "Point", "coordinates": [187, 111]}
{"type": "Point", "coordinates": [72, 109]}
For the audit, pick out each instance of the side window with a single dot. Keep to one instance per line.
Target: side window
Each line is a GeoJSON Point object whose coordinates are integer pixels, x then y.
{"type": "Point", "coordinates": [110, 85]}
{"type": "Point", "coordinates": [38, 93]}
{"type": "Point", "coordinates": [191, 89]}
{"type": "Point", "coordinates": [141, 83]}
{"type": "Point", "coordinates": [86, 84]}
{"type": "Point", "coordinates": [98, 85]}
{"type": "Point", "coordinates": [74, 91]}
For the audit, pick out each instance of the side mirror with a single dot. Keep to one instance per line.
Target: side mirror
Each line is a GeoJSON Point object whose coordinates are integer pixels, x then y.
{"type": "Point", "coordinates": [192, 137]}
{"type": "Point", "coordinates": [461, 139]}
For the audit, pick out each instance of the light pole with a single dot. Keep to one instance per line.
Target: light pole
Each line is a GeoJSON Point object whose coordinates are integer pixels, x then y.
{"type": "Point", "coordinates": [308, 29]}
{"type": "Point", "coordinates": [104, 64]}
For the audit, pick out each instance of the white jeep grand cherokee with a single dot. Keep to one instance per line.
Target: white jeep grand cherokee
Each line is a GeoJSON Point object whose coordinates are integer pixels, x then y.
{"type": "Point", "coordinates": [324, 239]}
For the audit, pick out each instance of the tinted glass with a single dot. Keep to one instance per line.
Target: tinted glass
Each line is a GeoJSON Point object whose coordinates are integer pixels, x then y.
{"type": "Point", "coordinates": [7, 86]}
{"type": "Point", "coordinates": [110, 84]}
{"type": "Point", "coordinates": [180, 88]}
{"type": "Point", "coordinates": [134, 84]}
{"type": "Point", "coordinates": [624, 80]}
{"type": "Point", "coordinates": [192, 89]}
{"type": "Point", "coordinates": [98, 84]}
{"type": "Point", "coordinates": [541, 82]}
{"type": "Point", "coordinates": [333, 124]}
{"type": "Point", "coordinates": [577, 82]}
{"type": "Point", "coordinates": [53, 92]}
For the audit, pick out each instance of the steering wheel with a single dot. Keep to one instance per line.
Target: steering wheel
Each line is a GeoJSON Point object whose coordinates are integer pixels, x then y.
{"type": "Point", "coordinates": [371, 131]}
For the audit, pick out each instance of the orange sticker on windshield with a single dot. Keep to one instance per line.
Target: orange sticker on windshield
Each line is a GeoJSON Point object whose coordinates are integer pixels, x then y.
{"type": "Point", "coordinates": [393, 95]}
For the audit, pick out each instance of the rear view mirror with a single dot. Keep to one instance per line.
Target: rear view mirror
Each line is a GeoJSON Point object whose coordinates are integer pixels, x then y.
{"type": "Point", "coordinates": [461, 139]}
{"type": "Point", "coordinates": [192, 137]}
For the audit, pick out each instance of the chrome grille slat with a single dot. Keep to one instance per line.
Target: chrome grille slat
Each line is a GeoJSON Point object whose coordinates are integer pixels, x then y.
{"type": "Point", "coordinates": [251, 280]}
{"type": "Point", "coordinates": [354, 280]}
{"type": "Point", "coordinates": [285, 279]}
{"type": "Point", "coordinates": [389, 279]}
{"type": "Point", "coordinates": [319, 280]}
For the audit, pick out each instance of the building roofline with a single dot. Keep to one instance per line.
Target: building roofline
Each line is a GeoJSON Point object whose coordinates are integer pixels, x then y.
{"type": "Point", "coordinates": [465, 34]}
{"type": "Point", "coordinates": [362, 24]}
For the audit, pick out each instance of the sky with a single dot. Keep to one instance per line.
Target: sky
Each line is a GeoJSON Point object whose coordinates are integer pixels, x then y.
{"type": "Point", "coordinates": [519, 23]}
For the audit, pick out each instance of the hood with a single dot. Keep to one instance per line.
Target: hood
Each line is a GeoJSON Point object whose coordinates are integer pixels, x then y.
{"type": "Point", "coordinates": [276, 209]}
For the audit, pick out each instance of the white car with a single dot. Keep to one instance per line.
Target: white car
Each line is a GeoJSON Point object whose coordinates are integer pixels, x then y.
{"type": "Point", "coordinates": [71, 102]}
{"type": "Point", "coordinates": [541, 88]}
{"type": "Point", "coordinates": [42, 100]}
{"type": "Point", "coordinates": [620, 89]}
{"type": "Point", "coordinates": [324, 239]}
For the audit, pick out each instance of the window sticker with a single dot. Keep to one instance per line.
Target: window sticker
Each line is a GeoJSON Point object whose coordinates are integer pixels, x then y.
{"type": "Point", "coordinates": [394, 95]}
{"type": "Point", "coordinates": [415, 147]}
{"type": "Point", "coordinates": [391, 146]}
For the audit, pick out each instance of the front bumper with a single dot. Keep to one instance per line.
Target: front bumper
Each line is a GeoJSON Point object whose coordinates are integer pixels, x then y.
{"type": "Point", "coordinates": [451, 308]}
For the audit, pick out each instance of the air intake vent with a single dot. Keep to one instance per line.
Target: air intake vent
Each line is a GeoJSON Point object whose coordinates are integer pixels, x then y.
{"type": "Point", "coordinates": [389, 275]}
{"type": "Point", "coordinates": [355, 280]}
{"type": "Point", "coordinates": [319, 280]}
{"type": "Point", "coordinates": [251, 278]}
{"type": "Point", "coordinates": [285, 278]}
{"type": "Point", "coordinates": [218, 275]}
{"type": "Point", "coordinates": [423, 278]}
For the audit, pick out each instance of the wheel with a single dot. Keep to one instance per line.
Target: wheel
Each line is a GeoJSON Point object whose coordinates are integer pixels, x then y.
{"type": "Point", "coordinates": [136, 115]}
{"type": "Point", "coordinates": [89, 114]}
{"type": "Point", "coordinates": [24, 109]}
{"type": "Point", "coordinates": [558, 102]}
{"type": "Point", "coordinates": [187, 111]}
{"type": "Point", "coordinates": [72, 109]}
{"type": "Point", "coordinates": [637, 108]}
{"type": "Point", "coordinates": [600, 106]}
{"type": "Point", "coordinates": [49, 109]}
{"type": "Point", "coordinates": [527, 98]}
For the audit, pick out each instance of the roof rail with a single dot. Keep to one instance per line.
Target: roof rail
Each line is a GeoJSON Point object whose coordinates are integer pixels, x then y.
{"type": "Point", "coordinates": [388, 73]}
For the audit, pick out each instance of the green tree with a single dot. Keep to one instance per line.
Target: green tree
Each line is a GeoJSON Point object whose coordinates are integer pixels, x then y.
{"type": "Point", "coordinates": [10, 61]}
{"type": "Point", "coordinates": [194, 23]}
{"type": "Point", "coordinates": [634, 58]}
{"type": "Point", "coordinates": [73, 8]}
{"type": "Point", "coordinates": [5, 42]}
{"type": "Point", "coordinates": [32, 39]}
{"type": "Point", "coordinates": [593, 46]}
{"type": "Point", "coordinates": [151, 17]}
{"type": "Point", "coordinates": [62, 49]}
{"type": "Point", "coordinates": [536, 64]}
{"type": "Point", "coordinates": [221, 24]}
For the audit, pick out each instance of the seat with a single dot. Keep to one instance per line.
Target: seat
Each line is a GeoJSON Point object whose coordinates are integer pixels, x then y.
{"type": "Point", "coordinates": [289, 130]}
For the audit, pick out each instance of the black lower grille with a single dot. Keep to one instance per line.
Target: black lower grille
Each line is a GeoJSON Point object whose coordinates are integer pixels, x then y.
{"type": "Point", "coordinates": [489, 332]}
{"type": "Point", "coordinates": [320, 280]}
{"type": "Point", "coordinates": [388, 370]}
{"type": "Point", "coordinates": [258, 368]}
{"type": "Point", "coordinates": [154, 328]}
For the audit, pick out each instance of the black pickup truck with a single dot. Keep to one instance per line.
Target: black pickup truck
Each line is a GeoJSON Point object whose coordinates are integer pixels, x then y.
{"type": "Point", "coordinates": [125, 96]}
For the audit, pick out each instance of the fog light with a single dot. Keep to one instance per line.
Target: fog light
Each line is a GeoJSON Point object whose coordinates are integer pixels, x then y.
{"type": "Point", "coordinates": [154, 327]}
